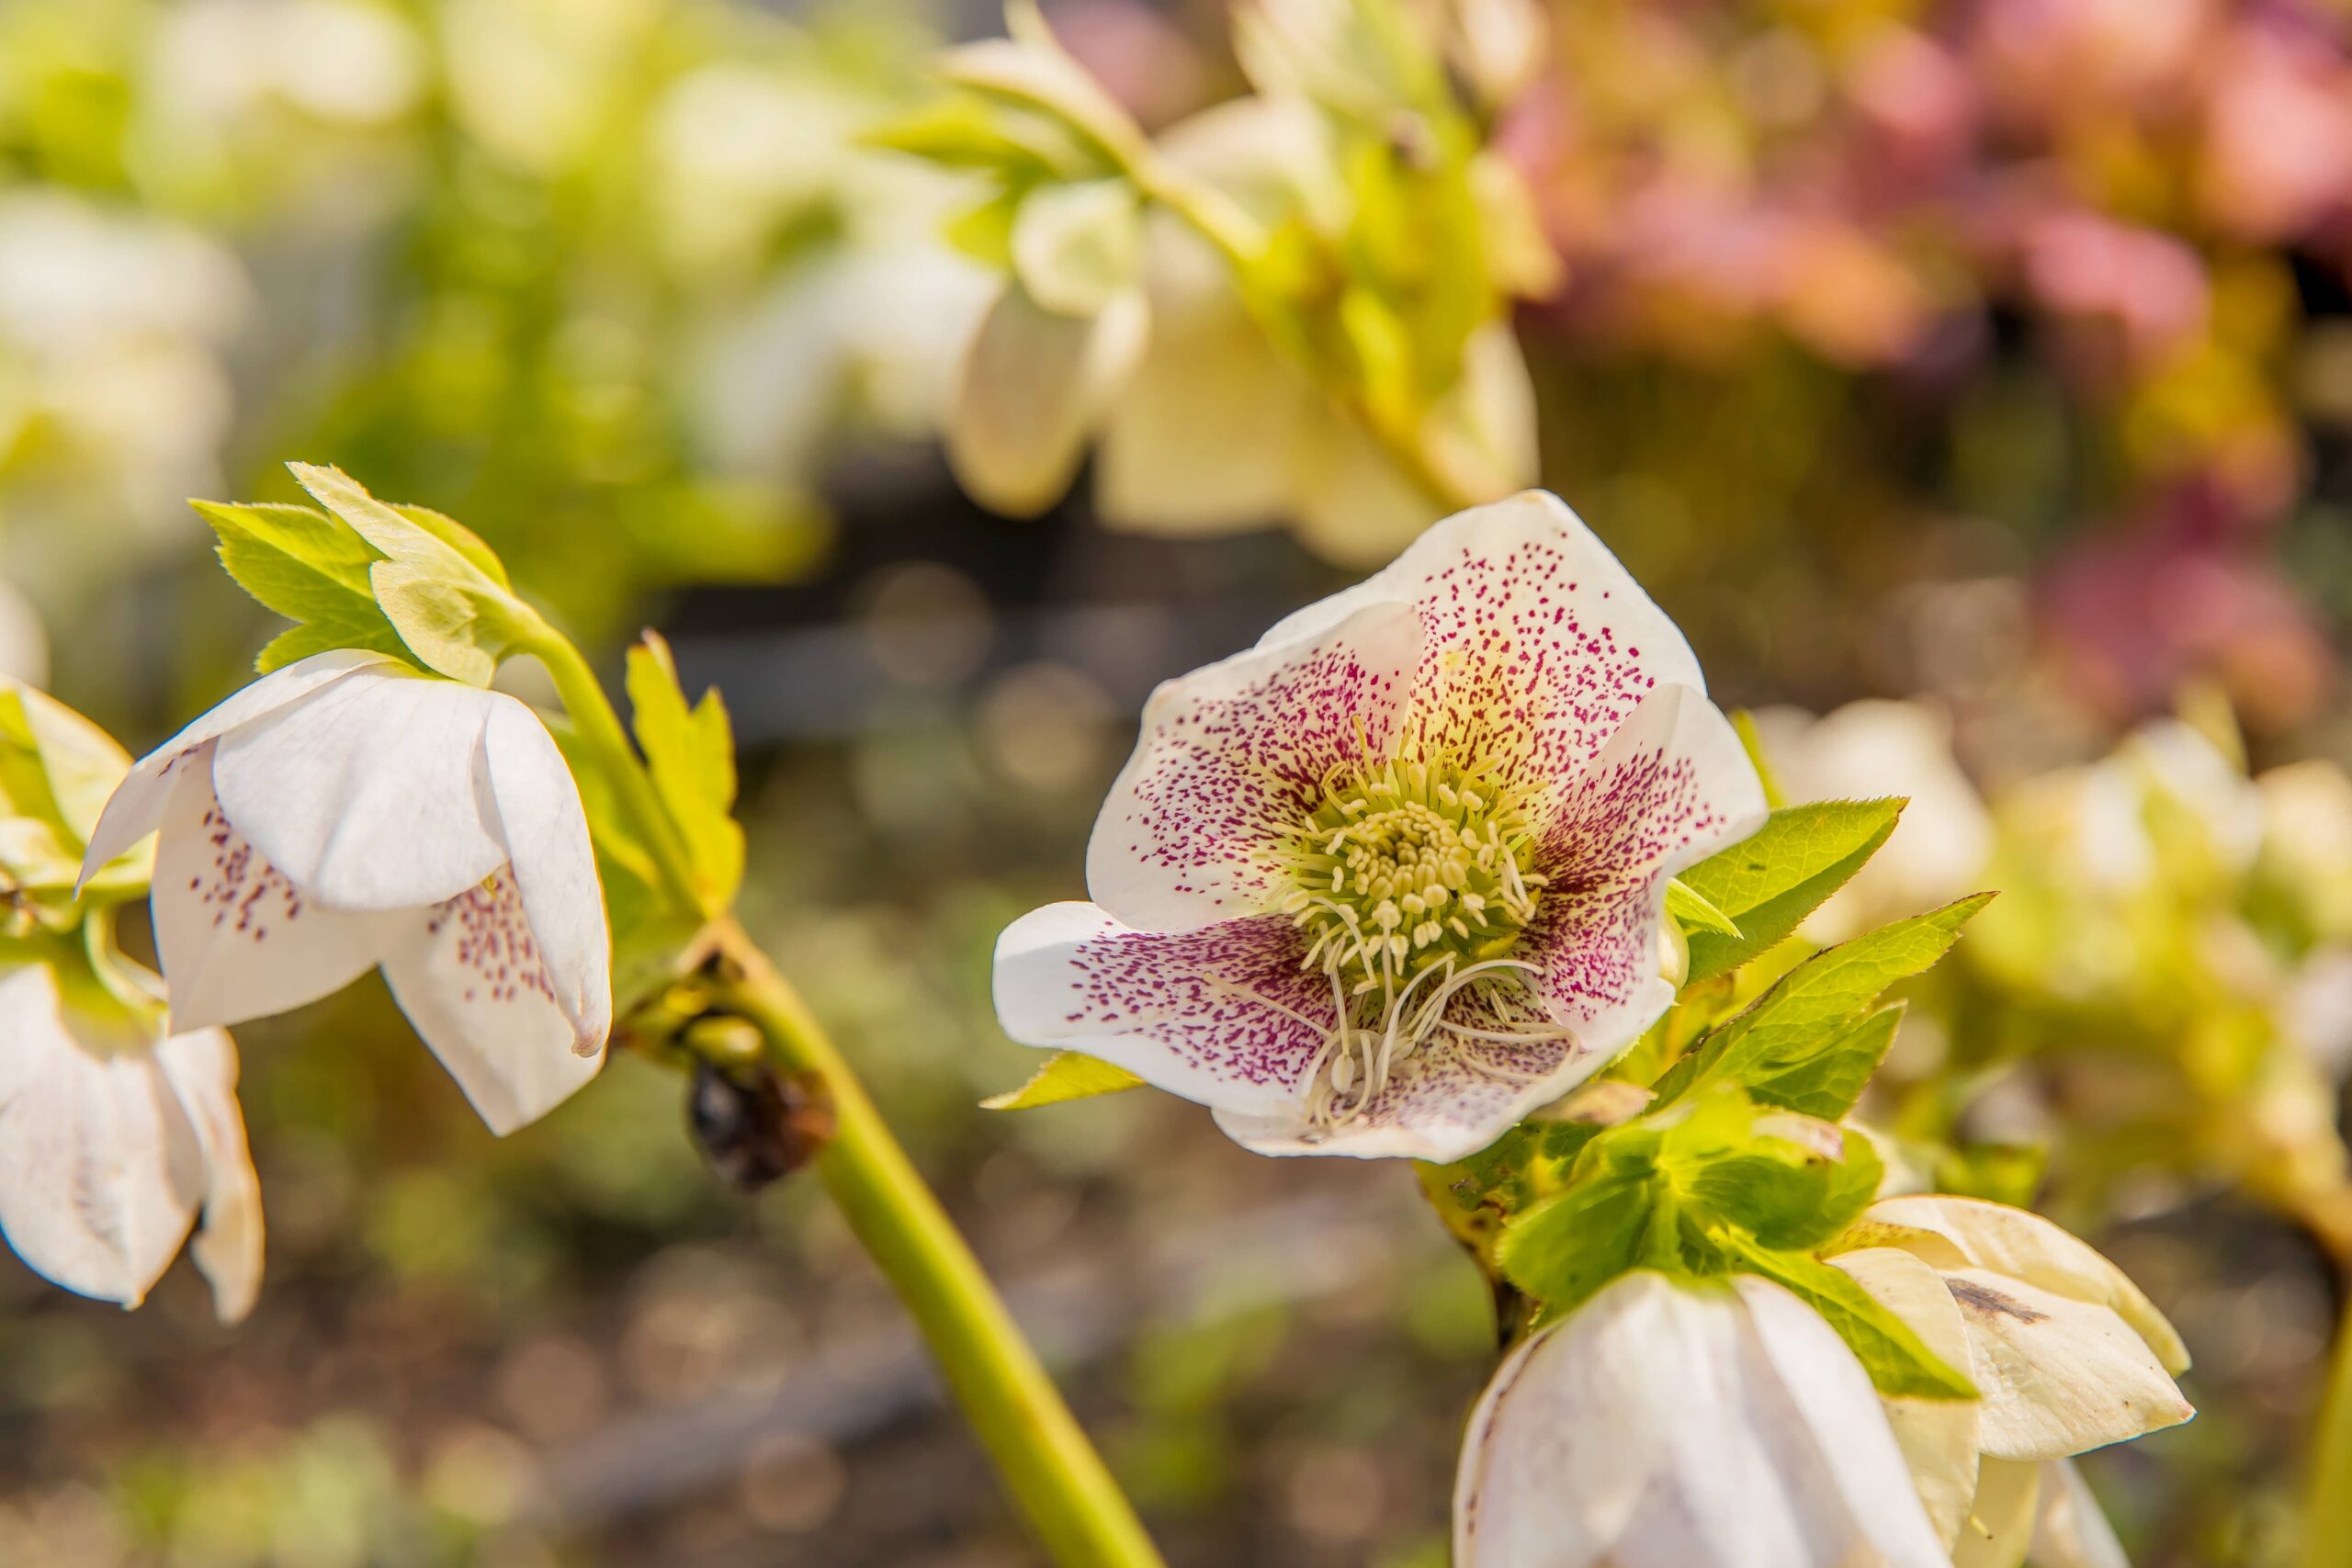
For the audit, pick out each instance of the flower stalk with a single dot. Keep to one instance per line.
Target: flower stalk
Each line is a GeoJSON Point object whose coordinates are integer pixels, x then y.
{"type": "Point", "coordinates": [1048, 1464]}
{"type": "Point", "coordinates": [1051, 1469]}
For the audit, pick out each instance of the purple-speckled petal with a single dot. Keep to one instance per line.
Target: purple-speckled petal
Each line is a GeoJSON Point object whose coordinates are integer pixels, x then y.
{"type": "Point", "coordinates": [1223, 1015]}
{"type": "Point", "coordinates": [1447, 1101]}
{"type": "Point", "coordinates": [1231, 758]}
{"type": "Point", "coordinates": [1536, 643]}
{"type": "Point", "coordinates": [1673, 786]}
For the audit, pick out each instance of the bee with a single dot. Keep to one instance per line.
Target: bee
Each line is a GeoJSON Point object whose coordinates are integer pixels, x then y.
{"type": "Point", "coordinates": [755, 1125]}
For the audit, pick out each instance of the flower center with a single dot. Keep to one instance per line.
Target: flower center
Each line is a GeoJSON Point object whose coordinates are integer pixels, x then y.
{"type": "Point", "coordinates": [1411, 881]}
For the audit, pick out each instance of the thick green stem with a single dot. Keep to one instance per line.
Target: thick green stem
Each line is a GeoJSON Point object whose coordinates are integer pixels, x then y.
{"type": "Point", "coordinates": [1052, 1471]}
{"type": "Point", "coordinates": [2328, 1513]}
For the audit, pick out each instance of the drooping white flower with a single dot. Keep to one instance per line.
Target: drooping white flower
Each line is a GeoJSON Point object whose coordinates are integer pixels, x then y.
{"type": "Point", "coordinates": [113, 1135]}
{"type": "Point", "coordinates": [2067, 1353]}
{"type": "Point", "coordinates": [1877, 747]}
{"type": "Point", "coordinates": [1680, 1425]}
{"type": "Point", "coordinates": [1389, 880]}
{"type": "Point", "coordinates": [345, 812]}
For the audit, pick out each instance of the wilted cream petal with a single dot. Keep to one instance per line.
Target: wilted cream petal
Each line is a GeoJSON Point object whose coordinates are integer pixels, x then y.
{"type": "Point", "coordinates": [1938, 1435]}
{"type": "Point", "coordinates": [2000, 1521]}
{"type": "Point", "coordinates": [1952, 1232]}
{"type": "Point", "coordinates": [1033, 387]}
{"type": "Point", "coordinates": [202, 1068]}
{"type": "Point", "coordinates": [2059, 1376]}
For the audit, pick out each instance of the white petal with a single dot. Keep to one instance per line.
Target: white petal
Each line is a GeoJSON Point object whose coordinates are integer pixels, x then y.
{"type": "Point", "coordinates": [100, 1172]}
{"type": "Point", "coordinates": [2070, 1530]}
{"type": "Point", "coordinates": [236, 939]}
{"type": "Point", "coordinates": [1033, 387]}
{"type": "Point", "coordinates": [1672, 786]}
{"type": "Point", "coordinates": [1667, 1427]}
{"type": "Point", "coordinates": [202, 1068]}
{"type": "Point", "coordinates": [1841, 1411]}
{"type": "Point", "coordinates": [1938, 1435]}
{"type": "Point", "coordinates": [1232, 759]}
{"type": "Point", "coordinates": [2058, 1376]}
{"type": "Point", "coordinates": [1537, 644]}
{"type": "Point", "coordinates": [539, 817]}
{"type": "Point", "coordinates": [1222, 1016]}
{"type": "Point", "coordinates": [1956, 1232]}
{"type": "Point", "coordinates": [366, 795]}
{"type": "Point", "coordinates": [2000, 1521]}
{"type": "Point", "coordinates": [136, 808]}
{"type": "Point", "coordinates": [469, 978]}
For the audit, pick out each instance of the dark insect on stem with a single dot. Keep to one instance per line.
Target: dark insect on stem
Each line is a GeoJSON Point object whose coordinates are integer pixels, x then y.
{"type": "Point", "coordinates": [752, 1125]}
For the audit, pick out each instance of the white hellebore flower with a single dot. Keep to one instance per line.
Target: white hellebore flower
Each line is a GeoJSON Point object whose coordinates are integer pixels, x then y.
{"type": "Point", "coordinates": [345, 812]}
{"type": "Point", "coordinates": [112, 1137]}
{"type": "Point", "coordinates": [1680, 1425]}
{"type": "Point", "coordinates": [1391, 879]}
{"type": "Point", "coordinates": [2065, 1351]}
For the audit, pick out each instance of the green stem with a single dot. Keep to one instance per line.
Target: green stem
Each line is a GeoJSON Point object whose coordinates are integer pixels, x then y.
{"type": "Point", "coordinates": [1051, 1469]}
{"type": "Point", "coordinates": [2327, 1512]}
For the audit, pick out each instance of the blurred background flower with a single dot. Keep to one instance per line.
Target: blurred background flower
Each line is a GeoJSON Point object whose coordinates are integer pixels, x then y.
{"type": "Point", "coordinates": [1996, 353]}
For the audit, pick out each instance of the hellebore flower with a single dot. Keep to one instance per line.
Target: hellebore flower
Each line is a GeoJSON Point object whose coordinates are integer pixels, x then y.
{"type": "Point", "coordinates": [345, 812]}
{"type": "Point", "coordinates": [2066, 1354]}
{"type": "Point", "coordinates": [1391, 879]}
{"type": "Point", "coordinates": [113, 1134]}
{"type": "Point", "coordinates": [1678, 1424]}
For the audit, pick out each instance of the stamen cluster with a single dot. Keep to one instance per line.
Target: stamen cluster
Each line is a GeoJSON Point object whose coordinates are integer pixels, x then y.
{"type": "Point", "coordinates": [1411, 879]}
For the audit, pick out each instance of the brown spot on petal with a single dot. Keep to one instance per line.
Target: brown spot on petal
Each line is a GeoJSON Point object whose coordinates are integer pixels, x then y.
{"type": "Point", "coordinates": [1986, 1301]}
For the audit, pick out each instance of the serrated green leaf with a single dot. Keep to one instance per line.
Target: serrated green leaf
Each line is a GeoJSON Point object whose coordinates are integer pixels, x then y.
{"type": "Point", "coordinates": [309, 567]}
{"type": "Point", "coordinates": [1067, 1075]}
{"type": "Point", "coordinates": [455, 615]}
{"type": "Point", "coordinates": [1694, 913]}
{"type": "Point", "coordinates": [1772, 880]}
{"type": "Point", "coordinates": [1898, 1361]}
{"type": "Point", "coordinates": [1569, 1244]}
{"type": "Point", "coordinates": [1827, 1083]}
{"type": "Point", "coordinates": [690, 752]}
{"type": "Point", "coordinates": [1807, 1010]}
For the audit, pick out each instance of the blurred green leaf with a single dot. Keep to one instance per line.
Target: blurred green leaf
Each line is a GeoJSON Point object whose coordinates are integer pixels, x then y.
{"type": "Point", "coordinates": [1066, 1076]}
{"type": "Point", "coordinates": [691, 754]}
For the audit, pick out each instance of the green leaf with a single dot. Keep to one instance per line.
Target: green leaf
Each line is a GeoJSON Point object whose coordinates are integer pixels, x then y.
{"type": "Point", "coordinates": [458, 537]}
{"type": "Point", "coordinates": [964, 132]}
{"type": "Point", "coordinates": [1571, 1243]}
{"type": "Point", "coordinates": [454, 612]}
{"type": "Point", "coordinates": [1805, 1012]}
{"type": "Point", "coordinates": [690, 752]}
{"type": "Point", "coordinates": [1784, 1194]}
{"type": "Point", "coordinates": [1067, 1075]}
{"type": "Point", "coordinates": [1772, 880]}
{"type": "Point", "coordinates": [308, 567]}
{"type": "Point", "coordinates": [1694, 912]}
{"type": "Point", "coordinates": [1898, 1361]}
{"type": "Point", "coordinates": [1827, 1083]}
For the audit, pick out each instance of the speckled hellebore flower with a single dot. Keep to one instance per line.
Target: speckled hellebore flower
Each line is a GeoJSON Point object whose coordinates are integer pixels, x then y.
{"type": "Point", "coordinates": [1391, 879]}
{"type": "Point", "coordinates": [2066, 1354]}
{"type": "Point", "coordinates": [346, 812]}
{"type": "Point", "coordinates": [1670, 1424]}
